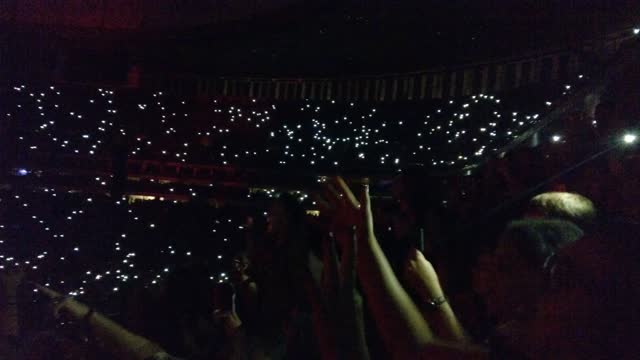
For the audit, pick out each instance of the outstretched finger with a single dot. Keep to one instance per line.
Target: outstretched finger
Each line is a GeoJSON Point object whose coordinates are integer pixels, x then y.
{"type": "Point", "coordinates": [333, 196]}
{"type": "Point", "coordinates": [368, 215]}
{"type": "Point", "coordinates": [344, 188]}
{"type": "Point", "coordinates": [48, 292]}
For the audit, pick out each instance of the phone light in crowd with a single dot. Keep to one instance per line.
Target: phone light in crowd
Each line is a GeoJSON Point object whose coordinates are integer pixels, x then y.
{"type": "Point", "coordinates": [556, 138]}
{"type": "Point", "coordinates": [629, 138]}
{"type": "Point", "coordinates": [636, 31]}
{"type": "Point", "coordinates": [22, 172]}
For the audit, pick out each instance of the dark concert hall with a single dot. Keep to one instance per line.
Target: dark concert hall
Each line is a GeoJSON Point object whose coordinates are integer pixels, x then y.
{"type": "Point", "coordinates": [319, 180]}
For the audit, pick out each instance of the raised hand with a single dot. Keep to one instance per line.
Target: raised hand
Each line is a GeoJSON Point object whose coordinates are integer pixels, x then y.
{"type": "Point", "coordinates": [402, 326]}
{"type": "Point", "coordinates": [64, 304]}
{"type": "Point", "coordinates": [420, 275]}
{"type": "Point", "coordinates": [338, 202]}
{"type": "Point", "coordinates": [343, 210]}
{"type": "Point", "coordinates": [113, 337]}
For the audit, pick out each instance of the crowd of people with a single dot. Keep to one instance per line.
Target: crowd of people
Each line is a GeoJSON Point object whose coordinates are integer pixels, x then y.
{"type": "Point", "coordinates": [317, 136]}
{"type": "Point", "coordinates": [557, 281]}
{"type": "Point", "coordinates": [531, 253]}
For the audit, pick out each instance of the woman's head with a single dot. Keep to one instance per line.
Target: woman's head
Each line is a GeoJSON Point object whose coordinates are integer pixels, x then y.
{"type": "Point", "coordinates": [514, 274]}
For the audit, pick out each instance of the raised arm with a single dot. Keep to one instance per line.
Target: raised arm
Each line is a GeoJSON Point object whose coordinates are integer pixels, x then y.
{"type": "Point", "coordinates": [400, 322]}
{"type": "Point", "coordinates": [397, 317]}
{"type": "Point", "coordinates": [113, 337]}
{"type": "Point", "coordinates": [337, 305]}
{"type": "Point", "coordinates": [421, 277]}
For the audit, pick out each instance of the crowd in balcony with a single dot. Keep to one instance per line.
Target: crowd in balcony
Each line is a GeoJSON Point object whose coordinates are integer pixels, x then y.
{"type": "Point", "coordinates": [321, 136]}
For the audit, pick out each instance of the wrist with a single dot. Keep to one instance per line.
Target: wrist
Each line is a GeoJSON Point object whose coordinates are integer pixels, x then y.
{"type": "Point", "coordinates": [433, 293]}
{"type": "Point", "coordinates": [426, 289]}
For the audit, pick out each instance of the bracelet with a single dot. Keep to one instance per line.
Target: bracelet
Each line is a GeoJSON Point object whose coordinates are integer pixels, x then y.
{"type": "Point", "coordinates": [434, 303]}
